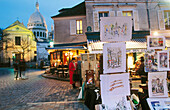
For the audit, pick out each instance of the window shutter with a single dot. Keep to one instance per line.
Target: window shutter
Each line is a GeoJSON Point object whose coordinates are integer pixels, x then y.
{"type": "Point", "coordinates": [136, 20]}
{"type": "Point", "coordinates": [119, 13]}
{"type": "Point", "coordinates": [96, 21]}
{"type": "Point", "coordinates": [72, 27]}
{"type": "Point", "coordinates": [111, 13]}
{"type": "Point", "coordinates": [161, 19]}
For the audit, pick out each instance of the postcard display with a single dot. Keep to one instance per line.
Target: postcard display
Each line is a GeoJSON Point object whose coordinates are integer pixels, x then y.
{"type": "Point", "coordinates": [157, 65]}
{"type": "Point", "coordinates": [114, 83]}
{"type": "Point", "coordinates": [89, 68]}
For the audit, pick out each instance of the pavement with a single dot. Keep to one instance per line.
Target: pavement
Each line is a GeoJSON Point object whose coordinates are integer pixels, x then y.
{"type": "Point", "coordinates": [37, 93]}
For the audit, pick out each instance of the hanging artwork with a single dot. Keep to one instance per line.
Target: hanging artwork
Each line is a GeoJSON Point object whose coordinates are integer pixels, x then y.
{"type": "Point", "coordinates": [114, 89]}
{"type": "Point", "coordinates": [159, 103]}
{"type": "Point", "coordinates": [163, 60]}
{"type": "Point", "coordinates": [155, 42]}
{"type": "Point", "coordinates": [114, 57]}
{"type": "Point", "coordinates": [151, 63]}
{"type": "Point", "coordinates": [116, 28]}
{"type": "Point", "coordinates": [157, 84]}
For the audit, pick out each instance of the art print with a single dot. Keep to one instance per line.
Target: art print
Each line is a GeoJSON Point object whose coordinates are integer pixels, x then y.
{"type": "Point", "coordinates": [114, 57]}
{"type": "Point", "coordinates": [155, 42]}
{"type": "Point", "coordinates": [158, 103]}
{"type": "Point", "coordinates": [163, 60]}
{"type": "Point", "coordinates": [117, 103]}
{"type": "Point", "coordinates": [116, 28]}
{"type": "Point", "coordinates": [157, 84]}
{"type": "Point", "coordinates": [151, 63]}
{"type": "Point", "coordinates": [115, 84]}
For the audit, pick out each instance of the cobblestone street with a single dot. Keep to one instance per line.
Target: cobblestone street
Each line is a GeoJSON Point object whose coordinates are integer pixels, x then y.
{"type": "Point", "coordinates": [37, 92]}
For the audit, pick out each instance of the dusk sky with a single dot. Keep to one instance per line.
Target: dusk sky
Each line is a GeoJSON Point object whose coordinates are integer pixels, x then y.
{"type": "Point", "coordinates": [11, 10]}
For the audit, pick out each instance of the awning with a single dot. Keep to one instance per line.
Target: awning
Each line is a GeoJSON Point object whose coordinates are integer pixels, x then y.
{"type": "Point", "coordinates": [68, 48]}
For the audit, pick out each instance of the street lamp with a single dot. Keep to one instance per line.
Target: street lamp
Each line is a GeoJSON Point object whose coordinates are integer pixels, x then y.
{"type": "Point", "coordinates": [51, 44]}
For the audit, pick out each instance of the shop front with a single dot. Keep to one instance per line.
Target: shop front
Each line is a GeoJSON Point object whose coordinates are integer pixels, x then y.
{"type": "Point", "coordinates": [63, 53]}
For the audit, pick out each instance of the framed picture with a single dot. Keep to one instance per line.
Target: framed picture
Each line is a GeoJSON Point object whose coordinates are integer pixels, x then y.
{"type": "Point", "coordinates": [163, 60]}
{"type": "Point", "coordinates": [116, 28]}
{"type": "Point", "coordinates": [155, 42]}
{"type": "Point", "coordinates": [150, 62]}
{"type": "Point", "coordinates": [114, 57]}
{"type": "Point", "coordinates": [157, 84]}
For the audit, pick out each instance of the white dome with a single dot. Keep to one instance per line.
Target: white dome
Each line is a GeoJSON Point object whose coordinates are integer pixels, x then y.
{"type": "Point", "coordinates": [36, 20]}
{"type": "Point", "coordinates": [36, 17]}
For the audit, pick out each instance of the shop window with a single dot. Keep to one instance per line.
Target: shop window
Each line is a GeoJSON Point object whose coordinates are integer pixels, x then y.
{"type": "Point", "coordinates": [167, 19]}
{"type": "Point", "coordinates": [79, 28]}
{"type": "Point", "coordinates": [17, 40]}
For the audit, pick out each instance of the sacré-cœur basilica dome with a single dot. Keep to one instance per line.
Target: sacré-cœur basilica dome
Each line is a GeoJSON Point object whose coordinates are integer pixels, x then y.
{"type": "Point", "coordinates": [37, 24]}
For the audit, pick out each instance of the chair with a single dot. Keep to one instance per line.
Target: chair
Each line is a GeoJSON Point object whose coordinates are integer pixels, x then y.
{"type": "Point", "coordinates": [60, 71]}
{"type": "Point", "coordinates": [66, 71]}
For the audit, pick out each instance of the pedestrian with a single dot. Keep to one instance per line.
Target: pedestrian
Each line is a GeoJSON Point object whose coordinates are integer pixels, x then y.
{"type": "Point", "coordinates": [141, 71]}
{"type": "Point", "coordinates": [72, 69]}
{"type": "Point", "coordinates": [16, 68]}
{"type": "Point", "coordinates": [22, 66]}
{"type": "Point", "coordinates": [79, 70]}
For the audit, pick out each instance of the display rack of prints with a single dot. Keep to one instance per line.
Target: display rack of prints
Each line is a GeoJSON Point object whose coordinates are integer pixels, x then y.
{"type": "Point", "coordinates": [163, 60]}
{"type": "Point", "coordinates": [114, 57]}
{"type": "Point", "coordinates": [157, 84]}
{"type": "Point", "coordinates": [116, 28]}
{"type": "Point", "coordinates": [155, 42]}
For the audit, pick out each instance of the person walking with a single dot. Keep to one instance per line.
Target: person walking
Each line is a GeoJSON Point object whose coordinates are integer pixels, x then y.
{"type": "Point", "coordinates": [22, 66]}
{"type": "Point", "coordinates": [16, 68]}
{"type": "Point", "coordinates": [79, 70]}
{"type": "Point", "coordinates": [72, 69]}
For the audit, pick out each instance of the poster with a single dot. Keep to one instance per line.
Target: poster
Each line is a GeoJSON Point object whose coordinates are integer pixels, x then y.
{"type": "Point", "coordinates": [116, 28]}
{"type": "Point", "coordinates": [114, 89]}
{"type": "Point", "coordinates": [159, 103]}
{"type": "Point", "coordinates": [114, 57]}
{"type": "Point", "coordinates": [157, 84]}
{"type": "Point", "coordinates": [163, 60]}
{"type": "Point", "coordinates": [155, 42]}
{"type": "Point", "coordinates": [151, 63]}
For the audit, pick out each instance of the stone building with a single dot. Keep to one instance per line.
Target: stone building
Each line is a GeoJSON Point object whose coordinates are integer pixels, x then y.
{"type": "Point", "coordinates": [18, 43]}
{"type": "Point", "coordinates": [69, 34]}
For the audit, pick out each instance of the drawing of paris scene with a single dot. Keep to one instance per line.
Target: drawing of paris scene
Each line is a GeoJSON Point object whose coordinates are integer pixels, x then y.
{"type": "Point", "coordinates": [157, 86]}
{"type": "Point", "coordinates": [156, 42]}
{"type": "Point", "coordinates": [163, 60]}
{"type": "Point", "coordinates": [114, 57]}
{"type": "Point", "coordinates": [115, 30]}
{"type": "Point", "coordinates": [151, 63]}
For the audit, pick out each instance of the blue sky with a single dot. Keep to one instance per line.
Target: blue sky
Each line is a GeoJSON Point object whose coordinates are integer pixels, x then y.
{"type": "Point", "coordinates": [11, 10]}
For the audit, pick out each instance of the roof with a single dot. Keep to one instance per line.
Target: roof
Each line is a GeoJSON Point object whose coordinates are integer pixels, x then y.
{"type": "Point", "coordinates": [77, 10]}
{"type": "Point", "coordinates": [17, 23]}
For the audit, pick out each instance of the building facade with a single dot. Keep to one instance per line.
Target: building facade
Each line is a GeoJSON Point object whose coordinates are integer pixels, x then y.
{"type": "Point", "coordinates": [18, 43]}
{"type": "Point", "coordinates": [69, 34]}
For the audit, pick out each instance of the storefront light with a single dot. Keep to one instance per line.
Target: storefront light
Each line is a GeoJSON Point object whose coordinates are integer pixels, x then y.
{"type": "Point", "coordinates": [155, 33]}
{"type": "Point", "coordinates": [71, 53]}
